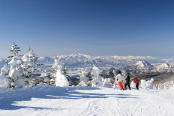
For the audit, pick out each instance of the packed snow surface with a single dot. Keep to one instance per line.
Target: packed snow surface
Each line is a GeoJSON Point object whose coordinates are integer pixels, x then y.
{"type": "Point", "coordinates": [47, 100]}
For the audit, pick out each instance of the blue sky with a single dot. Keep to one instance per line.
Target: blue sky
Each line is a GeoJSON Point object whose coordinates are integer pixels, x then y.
{"type": "Point", "coordinates": [94, 27]}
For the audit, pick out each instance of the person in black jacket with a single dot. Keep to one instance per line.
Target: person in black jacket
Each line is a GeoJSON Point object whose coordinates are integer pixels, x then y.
{"type": "Point", "coordinates": [127, 82]}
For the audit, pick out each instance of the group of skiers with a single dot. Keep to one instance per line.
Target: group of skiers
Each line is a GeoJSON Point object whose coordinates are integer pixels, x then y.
{"type": "Point", "coordinates": [124, 82]}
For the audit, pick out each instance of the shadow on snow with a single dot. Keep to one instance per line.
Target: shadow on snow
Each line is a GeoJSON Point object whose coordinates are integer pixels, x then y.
{"type": "Point", "coordinates": [8, 99]}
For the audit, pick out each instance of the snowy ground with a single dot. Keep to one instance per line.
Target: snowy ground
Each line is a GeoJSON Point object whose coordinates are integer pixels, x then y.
{"type": "Point", "coordinates": [85, 101]}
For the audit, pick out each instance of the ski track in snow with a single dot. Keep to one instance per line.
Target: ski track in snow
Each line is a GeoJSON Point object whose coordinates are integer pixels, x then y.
{"type": "Point", "coordinates": [85, 101]}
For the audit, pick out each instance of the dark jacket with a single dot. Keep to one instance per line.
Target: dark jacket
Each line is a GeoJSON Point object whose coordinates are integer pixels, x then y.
{"type": "Point", "coordinates": [127, 79]}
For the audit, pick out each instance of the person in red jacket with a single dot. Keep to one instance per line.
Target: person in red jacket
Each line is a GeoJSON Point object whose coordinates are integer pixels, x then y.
{"type": "Point", "coordinates": [136, 81]}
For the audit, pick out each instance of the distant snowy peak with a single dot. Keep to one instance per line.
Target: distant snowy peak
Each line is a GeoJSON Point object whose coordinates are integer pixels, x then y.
{"type": "Point", "coordinates": [163, 66]}
{"type": "Point", "coordinates": [45, 60]}
{"type": "Point", "coordinates": [84, 56]}
{"type": "Point", "coordinates": [133, 57]}
{"type": "Point", "coordinates": [80, 56]}
{"type": "Point", "coordinates": [143, 64]}
{"type": "Point", "coordinates": [83, 60]}
{"type": "Point", "coordinates": [74, 56]}
{"type": "Point", "coordinates": [75, 60]}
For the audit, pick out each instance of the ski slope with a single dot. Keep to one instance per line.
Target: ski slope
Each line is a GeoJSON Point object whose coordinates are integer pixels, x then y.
{"type": "Point", "coordinates": [47, 100]}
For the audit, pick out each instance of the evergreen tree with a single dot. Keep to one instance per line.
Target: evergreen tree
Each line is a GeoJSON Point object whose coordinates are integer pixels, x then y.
{"type": "Point", "coordinates": [96, 77]}
{"type": "Point", "coordinates": [12, 71]}
{"type": "Point", "coordinates": [53, 71]}
{"type": "Point", "coordinates": [30, 67]}
{"type": "Point", "coordinates": [15, 49]}
{"type": "Point", "coordinates": [58, 75]}
{"type": "Point", "coordinates": [4, 77]}
{"type": "Point", "coordinates": [29, 63]}
{"type": "Point", "coordinates": [16, 77]}
{"type": "Point", "coordinates": [89, 77]}
{"type": "Point", "coordinates": [83, 78]}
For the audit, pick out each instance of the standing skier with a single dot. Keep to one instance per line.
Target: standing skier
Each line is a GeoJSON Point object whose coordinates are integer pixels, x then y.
{"type": "Point", "coordinates": [127, 83]}
{"type": "Point", "coordinates": [119, 79]}
{"type": "Point", "coordinates": [136, 81]}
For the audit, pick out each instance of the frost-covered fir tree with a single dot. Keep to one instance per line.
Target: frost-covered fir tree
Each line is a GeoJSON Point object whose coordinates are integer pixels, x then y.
{"type": "Point", "coordinates": [107, 82]}
{"type": "Point", "coordinates": [14, 50]}
{"type": "Point", "coordinates": [61, 79]}
{"type": "Point", "coordinates": [84, 80]}
{"type": "Point", "coordinates": [12, 72]}
{"type": "Point", "coordinates": [16, 77]}
{"type": "Point", "coordinates": [89, 77]}
{"type": "Point", "coordinates": [147, 84]}
{"type": "Point", "coordinates": [57, 75]}
{"type": "Point", "coordinates": [30, 67]}
{"type": "Point", "coordinates": [29, 63]}
{"type": "Point", "coordinates": [20, 71]}
{"type": "Point", "coordinates": [65, 72]}
{"type": "Point", "coordinates": [4, 81]}
{"type": "Point", "coordinates": [96, 78]}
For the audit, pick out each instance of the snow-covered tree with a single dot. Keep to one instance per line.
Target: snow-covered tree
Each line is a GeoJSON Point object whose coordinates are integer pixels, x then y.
{"type": "Point", "coordinates": [53, 71]}
{"type": "Point", "coordinates": [61, 79]}
{"type": "Point", "coordinates": [16, 73]}
{"type": "Point", "coordinates": [29, 63]}
{"type": "Point", "coordinates": [12, 72]}
{"type": "Point", "coordinates": [4, 81]}
{"type": "Point", "coordinates": [20, 70]}
{"type": "Point", "coordinates": [58, 75]}
{"type": "Point", "coordinates": [165, 85]}
{"type": "Point", "coordinates": [147, 84]}
{"type": "Point", "coordinates": [15, 49]}
{"type": "Point", "coordinates": [96, 78]}
{"type": "Point", "coordinates": [84, 80]}
{"type": "Point", "coordinates": [64, 71]}
{"type": "Point", "coordinates": [107, 82]}
{"type": "Point", "coordinates": [5, 69]}
{"type": "Point", "coordinates": [30, 67]}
